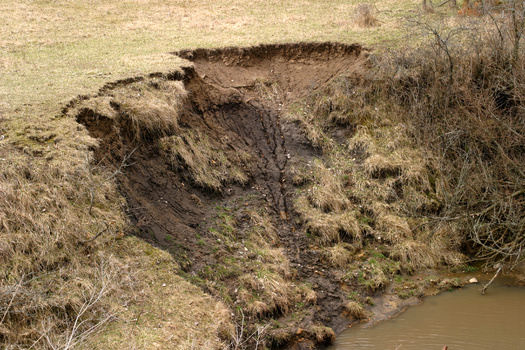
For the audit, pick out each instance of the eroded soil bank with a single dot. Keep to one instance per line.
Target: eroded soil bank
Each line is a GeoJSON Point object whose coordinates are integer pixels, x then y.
{"type": "Point", "coordinates": [212, 170]}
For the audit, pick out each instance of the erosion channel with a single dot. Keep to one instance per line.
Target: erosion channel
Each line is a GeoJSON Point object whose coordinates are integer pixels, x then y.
{"type": "Point", "coordinates": [217, 168]}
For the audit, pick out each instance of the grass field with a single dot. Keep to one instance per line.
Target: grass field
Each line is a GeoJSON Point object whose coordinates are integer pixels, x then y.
{"type": "Point", "coordinates": [52, 51]}
{"type": "Point", "coordinates": [55, 50]}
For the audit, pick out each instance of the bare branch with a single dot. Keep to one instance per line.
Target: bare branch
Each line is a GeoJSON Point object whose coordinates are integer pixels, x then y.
{"type": "Point", "coordinates": [97, 235]}
{"type": "Point", "coordinates": [17, 286]}
{"type": "Point", "coordinates": [492, 280]}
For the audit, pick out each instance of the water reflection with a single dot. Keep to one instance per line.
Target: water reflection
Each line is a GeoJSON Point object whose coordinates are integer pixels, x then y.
{"type": "Point", "coordinates": [462, 319]}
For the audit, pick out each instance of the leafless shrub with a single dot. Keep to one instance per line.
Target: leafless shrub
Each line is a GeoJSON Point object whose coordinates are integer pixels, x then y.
{"type": "Point", "coordinates": [243, 339]}
{"type": "Point", "coordinates": [95, 185]}
{"type": "Point", "coordinates": [85, 321]}
{"type": "Point", "coordinates": [464, 101]}
{"type": "Point", "coordinates": [427, 6]}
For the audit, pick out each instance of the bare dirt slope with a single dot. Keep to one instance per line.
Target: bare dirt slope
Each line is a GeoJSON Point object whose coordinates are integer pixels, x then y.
{"type": "Point", "coordinates": [202, 188]}
{"type": "Point", "coordinates": [244, 93]}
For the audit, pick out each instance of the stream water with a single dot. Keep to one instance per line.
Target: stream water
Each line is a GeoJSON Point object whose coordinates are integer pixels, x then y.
{"type": "Point", "coordinates": [463, 319]}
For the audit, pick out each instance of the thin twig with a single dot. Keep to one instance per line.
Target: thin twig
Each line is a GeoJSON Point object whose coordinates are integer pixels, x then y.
{"type": "Point", "coordinates": [493, 278]}
{"type": "Point", "coordinates": [97, 235]}
{"type": "Point", "coordinates": [12, 298]}
{"type": "Point", "coordinates": [95, 296]}
{"type": "Point", "coordinates": [446, 1]}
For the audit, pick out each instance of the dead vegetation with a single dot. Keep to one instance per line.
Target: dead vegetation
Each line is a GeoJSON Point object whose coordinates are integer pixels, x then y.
{"type": "Point", "coordinates": [365, 15]}
{"type": "Point", "coordinates": [436, 145]}
{"type": "Point", "coordinates": [366, 185]}
{"type": "Point", "coordinates": [37, 239]}
{"type": "Point", "coordinates": [322, 334]}
{"type": "Point", "coordinates": [258, 284]}
{"type": "Point", "coordinates": [429, 168]}
{"type": "Point", "coordinates": [341, 254]}
{"type": "Point", "coordinates": [64, 284]}
{"type": "Point", "coordinates": [152, 107]}
{"type": "Point", "coordinates": [266, 286]}
{"type": "Point", "coordinates": [208, 165]}
{"type": "Point", "coordinates": [145, 108]}
{"type": "Point", "coordinates": [71, 275]}
{"type": "Point", "coordinates": [475, 128]}
{"type": "Point", "coordinates": [355, 310]}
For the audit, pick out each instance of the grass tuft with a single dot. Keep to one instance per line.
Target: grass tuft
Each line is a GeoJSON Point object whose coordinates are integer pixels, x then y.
{"type": "Point", "coordinates": [355, 310]}
{"type": "Point", "coordinates": [151, 106]}
{"type": "Point", "coordinates": [340, 254]}
{"type": "Point", "coordinates": [322, 334]}
{"type": "Point", "coordinates": [267, 293]}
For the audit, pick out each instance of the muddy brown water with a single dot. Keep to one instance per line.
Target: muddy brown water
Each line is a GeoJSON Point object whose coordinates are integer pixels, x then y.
{"type": "Point", "coordinates": [463, 319]}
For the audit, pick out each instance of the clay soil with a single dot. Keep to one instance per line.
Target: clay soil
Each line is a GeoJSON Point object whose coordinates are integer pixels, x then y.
{"type": "Point", "coordinates": [226, 103]}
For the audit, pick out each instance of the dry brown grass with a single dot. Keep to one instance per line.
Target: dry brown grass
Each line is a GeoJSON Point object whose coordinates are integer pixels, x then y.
{"type": "Point", "coordinates": [377, 166]}
{"type": "Point", "coordinates": [48, 269]}
{"type": "Point", "coordinates": [327, 192]}
{"type": "Point", "coordinates": [340, 254]}
{"type": "Point", "coordinates": [38, 196]}
{"type": "Point", "coordinates": [392, 227]}
{"type": "Point", "coordinates": [365, 15]}
{"type": "Point", "coordinates": [269, 257]}
{"type": "Point", "coordinates": [341, 104]}
{"type": "Point", "coordinates": [324, 205]}
{"type": "Point", "coordinates": [355, 310]}
{"type": "Point", "coordinates": [65, 256]}
{"type": "Point", "coordinates": [267, 293]}
{"type": "Point", "coordinates": [263, 231]}
{"type": "Point", "coordinates": [51, 274]}
{"type": "Point", "coordinates": [152, 107]}
{"type": "Point", "coordinates": [210, 167]}
{"type": "Point", "coordinates": [311, 126]}
{"type": "Point", "coordinates": [147, 108]}
{"type": "Point", "coordinates": [308, 295]}
{"type": "Point", "coordinates": [328, 227]}
{"type": "Point", "coordinates": [267, 287]}
{"type": "Point", "coordinates": [259, 282]}
{"type": "Point", "coordinates": [474, 131]}
{"type": "Point", "coordinates": [414, 254]}
{"type": "Point", "coordinates": [322, 334]}
{"type": "Point", "coordinates": [385, 188]}
{"type": "Point", "coordinates": [162, 309]}
{"type": "Point", "coordinates": [371, 191]}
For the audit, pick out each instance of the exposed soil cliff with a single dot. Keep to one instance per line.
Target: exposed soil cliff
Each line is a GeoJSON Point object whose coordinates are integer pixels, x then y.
{"type": "Point", "coordinates": [216, 172]}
